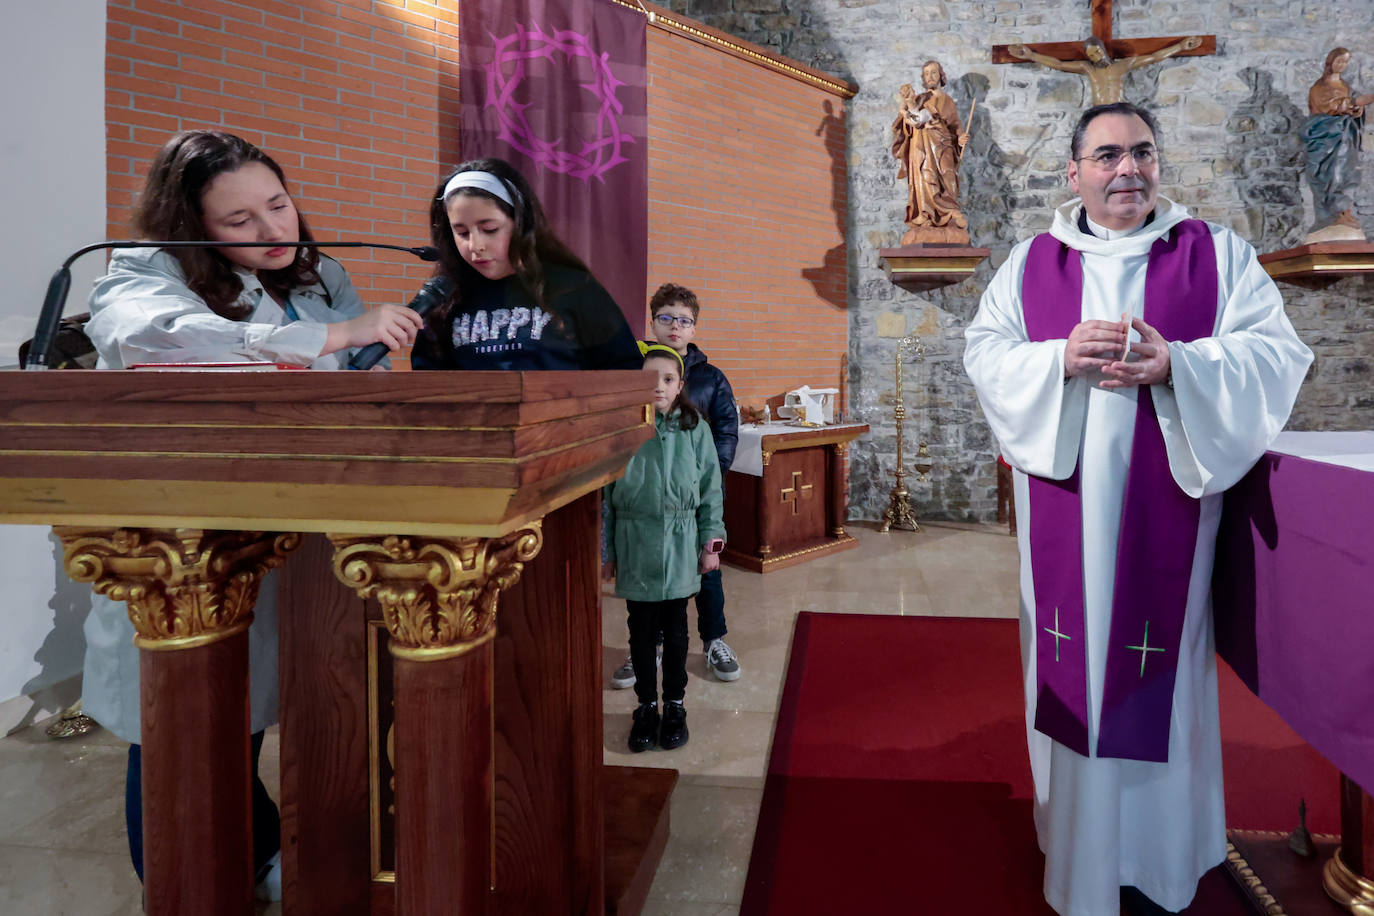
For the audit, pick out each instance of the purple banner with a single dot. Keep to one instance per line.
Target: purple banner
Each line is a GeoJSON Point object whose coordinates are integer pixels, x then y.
{"type": "Point", "coordinates": [559, 91]}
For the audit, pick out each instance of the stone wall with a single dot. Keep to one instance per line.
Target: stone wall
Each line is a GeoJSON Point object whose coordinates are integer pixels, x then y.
{"type": "Point", "coordinates": [1233, 154]}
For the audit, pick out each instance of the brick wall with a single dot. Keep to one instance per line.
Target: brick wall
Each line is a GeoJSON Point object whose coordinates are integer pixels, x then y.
{"type": "Point", "coordinates": [747, 204]}
{"type": "Point", "coordinates": [358, 101]}
{"type": "Point", "coordinates": [351, 97]}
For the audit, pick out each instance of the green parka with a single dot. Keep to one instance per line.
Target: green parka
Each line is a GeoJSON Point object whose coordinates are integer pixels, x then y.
{"type": "Point", "coordinates": [663, 511]}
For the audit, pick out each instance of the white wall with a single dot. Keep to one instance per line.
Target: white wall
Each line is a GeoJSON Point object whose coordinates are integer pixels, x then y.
{"type": "Point", "coordinates": [52, 201]}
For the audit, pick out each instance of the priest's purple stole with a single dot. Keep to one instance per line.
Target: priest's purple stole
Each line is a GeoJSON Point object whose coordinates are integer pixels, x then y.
{"type": "Point", "coordinates": [1159, 521]}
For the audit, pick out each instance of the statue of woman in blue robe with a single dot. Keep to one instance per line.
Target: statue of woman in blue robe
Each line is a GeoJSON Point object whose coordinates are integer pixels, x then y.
{"type": "Point", "coordinates": [1332, 135]}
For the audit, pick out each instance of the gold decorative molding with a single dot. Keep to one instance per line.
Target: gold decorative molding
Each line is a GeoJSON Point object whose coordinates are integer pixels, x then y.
{"type": "Point", "coordinates": [438, 594]}
{"type": "Point", "coordinates": [830, 544]}
{"type": "Point", "coordinates": [669, 22]}
{"type": "Point", "coordinates": [495, 460]}
{"type": "Point", "coordinates": [185, 587]}
{"type": "Point", "coordinates": [1253, 885]}
{"type": "Point", "coordinates": [380, 743]}
{"type": "Point", "coordinates": [1353, 891]}
{"type": "Point", "coordinates": [767, 457]}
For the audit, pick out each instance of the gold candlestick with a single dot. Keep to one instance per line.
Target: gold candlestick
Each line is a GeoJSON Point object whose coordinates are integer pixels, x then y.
{"type": "Point", "coordinates": [900, 513]}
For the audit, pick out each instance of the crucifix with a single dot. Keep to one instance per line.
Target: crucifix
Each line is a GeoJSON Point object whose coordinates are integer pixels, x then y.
{"type": "Point", "coordinates": [1103, 60]}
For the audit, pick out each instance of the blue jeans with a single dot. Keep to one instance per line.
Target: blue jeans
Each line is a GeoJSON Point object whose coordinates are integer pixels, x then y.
{"type": "Point", "coordinates": [266, 820]}
{"type": "Point", "coordinates": [711, 607]}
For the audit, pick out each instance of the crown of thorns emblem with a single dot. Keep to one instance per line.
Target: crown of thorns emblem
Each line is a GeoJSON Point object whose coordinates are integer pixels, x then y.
{"type": "Point", "coordinates": [509, 68]}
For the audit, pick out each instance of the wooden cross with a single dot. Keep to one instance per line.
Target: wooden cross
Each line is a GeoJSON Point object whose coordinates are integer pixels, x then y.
{"type": "Point", "coordinates": [1102, 28]}
{"type": "Point", "coordinates": [789, 494]}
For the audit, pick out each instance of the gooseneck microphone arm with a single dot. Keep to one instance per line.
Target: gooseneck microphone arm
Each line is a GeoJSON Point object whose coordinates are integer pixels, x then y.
{"type": "Point", "coordinates": [55, 300]}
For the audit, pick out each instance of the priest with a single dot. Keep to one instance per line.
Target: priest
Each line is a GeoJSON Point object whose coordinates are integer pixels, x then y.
{"type": "Point", "coordinates": [1133, 363]}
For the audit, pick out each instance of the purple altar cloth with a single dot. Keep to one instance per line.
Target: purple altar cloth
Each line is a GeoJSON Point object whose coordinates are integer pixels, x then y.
{"type": "Point", "coordinates": [1293, 598]}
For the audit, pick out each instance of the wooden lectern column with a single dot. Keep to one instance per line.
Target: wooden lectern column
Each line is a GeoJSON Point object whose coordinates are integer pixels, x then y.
{"type": "Point", "coordinates": [190, 594]}
{"type": "Point", "coordinates": [438, 597]}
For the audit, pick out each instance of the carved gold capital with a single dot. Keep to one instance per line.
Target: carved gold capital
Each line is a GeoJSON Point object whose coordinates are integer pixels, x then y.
{"type": "Point", "coordinates": [438, 594]}
{"type": "Point", "coordinates": [185, 587]}
{"type": "Point", "coordinates": [767, 457]}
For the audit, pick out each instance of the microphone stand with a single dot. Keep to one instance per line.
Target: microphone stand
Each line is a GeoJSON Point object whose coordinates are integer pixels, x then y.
{"type": "Point", "coordinates": [55, 300]}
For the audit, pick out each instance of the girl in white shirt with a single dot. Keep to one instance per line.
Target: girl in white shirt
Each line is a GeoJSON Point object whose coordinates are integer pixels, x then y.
{"type": "Point", "coordinates": [283, 304]}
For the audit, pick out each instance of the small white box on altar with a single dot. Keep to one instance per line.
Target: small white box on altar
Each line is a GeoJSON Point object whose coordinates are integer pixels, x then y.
{"type": "Point", "coordinates": [814, 405]}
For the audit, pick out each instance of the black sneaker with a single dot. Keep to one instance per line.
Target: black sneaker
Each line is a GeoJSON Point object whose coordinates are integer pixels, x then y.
{"type": "Point", "coordinates": [674, 731]}
{"type": "Point", "coordinates": [644, 727]}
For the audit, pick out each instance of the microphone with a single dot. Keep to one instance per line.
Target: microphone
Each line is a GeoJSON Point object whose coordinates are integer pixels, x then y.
{"type": "Point", "coordinates": [434, 292]}
{"type": "Point", "coordinates": [55, 300]}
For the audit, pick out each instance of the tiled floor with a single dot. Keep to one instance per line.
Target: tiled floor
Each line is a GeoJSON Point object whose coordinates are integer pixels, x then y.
{"type": "Point", "coordinates": [62, 847]}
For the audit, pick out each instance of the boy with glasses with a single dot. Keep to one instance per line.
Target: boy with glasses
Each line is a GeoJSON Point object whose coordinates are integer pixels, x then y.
{"type": "Point", "coordinates": [675, 310]}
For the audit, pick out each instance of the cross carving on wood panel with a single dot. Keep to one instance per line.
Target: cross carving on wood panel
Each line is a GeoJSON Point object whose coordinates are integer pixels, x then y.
{"type": "Point", "coordinates": [1105, 72]}
{"type": "Point", "coordinates": [790, 494]}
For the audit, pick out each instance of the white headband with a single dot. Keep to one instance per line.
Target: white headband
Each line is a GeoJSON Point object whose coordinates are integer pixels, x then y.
{"type": "Point", "coordinates": [484, 181]}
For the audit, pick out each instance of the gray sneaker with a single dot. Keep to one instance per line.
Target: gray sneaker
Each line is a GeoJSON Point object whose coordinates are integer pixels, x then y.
{"type": "Point", "coordinates": [720, 659]}
{"type": "Point", "coordinates": [624, 676]}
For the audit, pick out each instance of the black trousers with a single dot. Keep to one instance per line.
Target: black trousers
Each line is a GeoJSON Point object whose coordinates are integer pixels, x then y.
{"type": "Point", "coordinates": [711, 607]}
{"type": "Point", "coordinates": [266, 820]}
{"type": "Point", "coordinates": [647, 620]}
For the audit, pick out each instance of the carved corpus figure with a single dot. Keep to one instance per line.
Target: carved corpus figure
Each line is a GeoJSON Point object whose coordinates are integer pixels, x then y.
{"type": "Point", "coordinates": [1105, 76]}
{"type": "Point", "coordinates": [1332, 135]}
{"type": "Point", "coordinates": [928, 142]}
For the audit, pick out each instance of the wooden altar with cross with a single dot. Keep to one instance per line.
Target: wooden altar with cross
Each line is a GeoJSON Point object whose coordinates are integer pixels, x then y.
{"type": "Point", "coordinates": [785, 496]}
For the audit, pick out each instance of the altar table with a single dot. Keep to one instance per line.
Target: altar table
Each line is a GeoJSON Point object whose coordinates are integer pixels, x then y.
{"type": "Point", "coordinates": [785, 495]}
{"type": "Point", "coordinates": [1292, 594]}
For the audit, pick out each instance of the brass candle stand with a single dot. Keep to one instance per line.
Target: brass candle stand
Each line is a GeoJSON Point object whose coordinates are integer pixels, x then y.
{"type": "Point", "coordinates": [900, 513]}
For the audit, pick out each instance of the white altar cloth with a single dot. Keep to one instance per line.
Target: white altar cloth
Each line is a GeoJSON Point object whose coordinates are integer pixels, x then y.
{"type": "Point", "coordinates": [749, 450]}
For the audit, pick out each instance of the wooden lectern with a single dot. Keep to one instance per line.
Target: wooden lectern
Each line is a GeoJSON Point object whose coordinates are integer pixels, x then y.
{"type": "Point", "coordinates": [461, 512]}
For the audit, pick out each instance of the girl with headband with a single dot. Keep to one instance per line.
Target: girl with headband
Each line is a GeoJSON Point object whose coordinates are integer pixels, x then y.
{"type": "Point", "coordinates": [663, 529]}
{"type": "Point", "coordinates": [512, 296]}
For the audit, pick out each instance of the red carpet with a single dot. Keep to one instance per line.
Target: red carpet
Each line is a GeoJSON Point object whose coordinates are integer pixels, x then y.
{"type": "Point", "coordinates": [898, 779]}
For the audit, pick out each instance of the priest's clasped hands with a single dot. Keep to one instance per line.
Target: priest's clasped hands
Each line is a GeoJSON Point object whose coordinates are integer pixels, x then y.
{"type": "Point", "coordinates": [1105, 346]}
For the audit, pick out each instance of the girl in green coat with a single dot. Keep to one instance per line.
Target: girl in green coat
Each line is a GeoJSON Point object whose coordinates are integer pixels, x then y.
{"type": "Point", "coordinates": [664, 530]}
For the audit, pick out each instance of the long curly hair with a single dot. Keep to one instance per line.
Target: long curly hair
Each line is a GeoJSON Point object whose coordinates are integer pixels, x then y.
{"type": "Point", "coordinates": [532, 242]}
{"type": "Point", "coordinates": [170, 209]}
